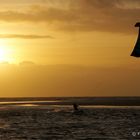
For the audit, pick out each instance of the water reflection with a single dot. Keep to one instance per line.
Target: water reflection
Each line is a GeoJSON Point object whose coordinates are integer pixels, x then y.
{"type": "Point", "coordinates": [28, 102]}
{"type": "Point", "coordinates": [28, 105]}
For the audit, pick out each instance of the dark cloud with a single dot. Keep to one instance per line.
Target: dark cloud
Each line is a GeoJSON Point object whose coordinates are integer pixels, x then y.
{"type": "Point", "coordinates": [82, 15]}
{"type": "Point", "coordinates": [22, 36]}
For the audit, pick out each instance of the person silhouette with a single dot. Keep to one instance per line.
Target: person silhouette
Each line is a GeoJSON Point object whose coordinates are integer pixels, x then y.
{"type": "Point", "coordinates": [75, 107]}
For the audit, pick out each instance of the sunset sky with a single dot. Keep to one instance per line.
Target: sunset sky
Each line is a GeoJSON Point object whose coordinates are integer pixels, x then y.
{"type": "Point", "coordinates": [68, 48]}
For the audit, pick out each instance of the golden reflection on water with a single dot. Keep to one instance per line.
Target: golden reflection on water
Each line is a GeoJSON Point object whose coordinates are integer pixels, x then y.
{"type": "Point", "coordinates": [28, 105]}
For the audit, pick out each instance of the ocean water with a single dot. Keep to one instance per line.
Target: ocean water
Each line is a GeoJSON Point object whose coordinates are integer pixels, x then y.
{"type": "Point", "coordinates": [31, 120]}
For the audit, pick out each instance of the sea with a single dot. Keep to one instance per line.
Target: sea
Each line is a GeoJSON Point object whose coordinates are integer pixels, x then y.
{"type": "Point", "coordinates": [53, 118]}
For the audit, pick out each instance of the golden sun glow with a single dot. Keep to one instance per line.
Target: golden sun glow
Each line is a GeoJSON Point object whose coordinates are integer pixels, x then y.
{"type": "Point", "coordinates": [6, 54]}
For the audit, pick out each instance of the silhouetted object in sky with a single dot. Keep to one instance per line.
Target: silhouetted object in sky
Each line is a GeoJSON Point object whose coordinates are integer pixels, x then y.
{"type": "Point", "coordinates": [75, 107]}
{"type": "Point", "coordinates": [136, 51]}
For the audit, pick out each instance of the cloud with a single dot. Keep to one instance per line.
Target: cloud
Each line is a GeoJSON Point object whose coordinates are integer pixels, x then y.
{"type": "Point", "coordinates": [81, 15]}
{"type": "Point", "coordinates": [22, 36]}
{"type": "Point", "coordinates": [26, 63]}
{"type": "Point", "coordinates": [4, 63]}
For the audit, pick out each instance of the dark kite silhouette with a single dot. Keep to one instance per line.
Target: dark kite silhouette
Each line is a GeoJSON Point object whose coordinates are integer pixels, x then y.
{"type": "Point", "coordinates": [136, 50]}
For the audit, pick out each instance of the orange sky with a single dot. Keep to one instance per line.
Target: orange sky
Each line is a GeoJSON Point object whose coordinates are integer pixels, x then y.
{"type": "Point", "coordinates": [55, 47]}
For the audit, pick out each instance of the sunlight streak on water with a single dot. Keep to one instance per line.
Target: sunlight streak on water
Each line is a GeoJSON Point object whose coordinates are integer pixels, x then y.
{"type": "Point", "coordinates": [28, 105]}
{"type": "Point", "coordinates": [26, 102]}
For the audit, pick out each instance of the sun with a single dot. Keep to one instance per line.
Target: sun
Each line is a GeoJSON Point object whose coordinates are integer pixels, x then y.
{"type": "Point", "coordinates": [5, 54]}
